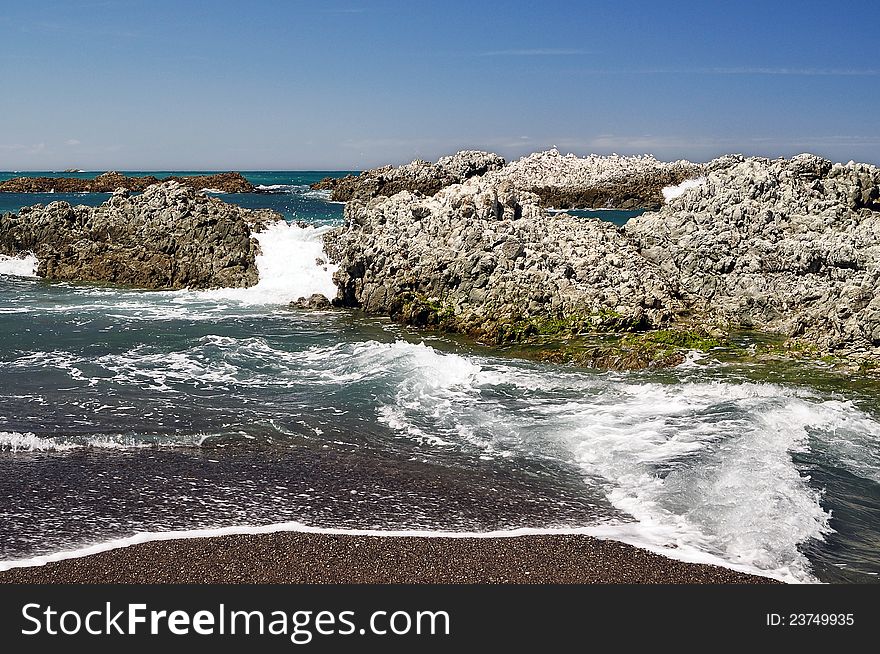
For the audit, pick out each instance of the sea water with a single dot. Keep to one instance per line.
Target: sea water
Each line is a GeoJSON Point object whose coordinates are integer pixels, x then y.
{"type": "Point", "coordinates": [127, 413]}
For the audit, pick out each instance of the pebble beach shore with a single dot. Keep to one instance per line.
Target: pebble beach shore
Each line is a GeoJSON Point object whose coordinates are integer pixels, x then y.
{"type": "Point", "coordinates": [305, 558]}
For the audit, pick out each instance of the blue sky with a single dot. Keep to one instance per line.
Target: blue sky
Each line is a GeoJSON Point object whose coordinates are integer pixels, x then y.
{"type": "Point", "coordinates": [329, 85]}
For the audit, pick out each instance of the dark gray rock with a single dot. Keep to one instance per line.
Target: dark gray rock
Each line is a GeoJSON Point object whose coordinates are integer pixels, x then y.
{"type": "Point", "coordinates": [169, 237]}
{"type": "Point", "coordinates": [315, 302]}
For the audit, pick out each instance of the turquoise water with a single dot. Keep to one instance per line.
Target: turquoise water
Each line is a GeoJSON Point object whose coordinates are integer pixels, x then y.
{"type": "Point", "coordinates": [289, 194]}
{"type": "Point", "coordinates": [124, 411]}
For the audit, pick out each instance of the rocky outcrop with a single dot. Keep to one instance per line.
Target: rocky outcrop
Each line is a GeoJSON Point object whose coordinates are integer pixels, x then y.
{"type": "Point", "coordinates": [111, 181]}
{"type": "Point", "coordinates": [572, 182]}
{"type": "Point", "coordinates": [315, 302]}
{"type": "Point", "coordinates": [417, 177]}
{"type": "Point", "coordinates": [168, 237]}
{"type": "Point", "coordinates": [787, 246]}
{"type": "Point", "coordinates": [486, 260]}
{"type": "Point", "coordinates": [559, 181]}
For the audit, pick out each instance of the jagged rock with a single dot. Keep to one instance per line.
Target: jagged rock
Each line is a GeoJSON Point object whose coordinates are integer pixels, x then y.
{"type": "Point", "coordinates": [571, 182]}
{"type": "Point", "coordinates": [315, 302]}
{"type": "Point", "coordinates": [485, 259]}
{"type": "Point", "coordinates": [559, 181]}
{"type": "Point", "coordinates": [784, 246]}
{"type": "Point", "coordinates": [112, 180]}
{"type": "Point", "coordinates": [168, 237]}
{"type": "Point", "coordinates": [419, 176]}
{"type": "Point", "coordinates": [787, 246]}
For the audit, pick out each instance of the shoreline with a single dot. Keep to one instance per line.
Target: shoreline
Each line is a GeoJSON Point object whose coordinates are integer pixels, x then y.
{"type": "Point", "coordinates": [258, 555]}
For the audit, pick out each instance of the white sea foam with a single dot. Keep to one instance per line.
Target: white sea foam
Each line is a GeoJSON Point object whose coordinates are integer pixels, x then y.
{"type": "Point", "coordinates": [17, 442]}
{"type": "Point", "coordinates": [280, 188]}
{"type": "Point", "coordinates": [292, 264]}
{"type": "Point", "coordinates": [672, 192]}
{"type": "Point", "coordinates": [704, 468]}
{"type": "Point", "coordinates": [21, 266]}
{"type": "Point", "coordinates": [701, 466]}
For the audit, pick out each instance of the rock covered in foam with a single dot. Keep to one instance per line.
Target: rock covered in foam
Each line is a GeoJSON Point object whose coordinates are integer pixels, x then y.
{"type": "Point", "coordinates": [482, 256]}
{"type": "Point", "coordinates": [417, 177]}
{"type": "Point", "coordinates": [789, 246]}
{"type": "Point", "coordinates": [168, 237]}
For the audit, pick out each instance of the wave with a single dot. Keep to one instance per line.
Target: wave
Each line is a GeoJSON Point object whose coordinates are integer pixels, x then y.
{"type": "Point", "coordinates": [708, 466]}
{"type": "Point", "coordinates": [296, 189]}
{"type": "Point", "coordinates": [20, 266]}
{"type": "Point", "coordinates": [16, 442]}
{"type": "Point", "coordinates": [283, 188]}
{"type": "Point", "coordinates": [292, 264]}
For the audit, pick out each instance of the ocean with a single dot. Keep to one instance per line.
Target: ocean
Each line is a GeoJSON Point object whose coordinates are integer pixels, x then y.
{"type": "Point", "coordinates": [125, 412]}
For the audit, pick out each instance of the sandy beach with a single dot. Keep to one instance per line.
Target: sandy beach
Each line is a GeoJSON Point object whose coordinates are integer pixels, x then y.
{"type": "Point", "coordinates": [302, 558]}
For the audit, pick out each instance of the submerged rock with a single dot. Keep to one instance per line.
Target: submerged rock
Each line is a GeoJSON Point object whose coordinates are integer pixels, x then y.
{"type": "Point", "coordinates": [112, 180]}
{"type": "Point", "coordinates": [168, 237]}
{"type": "Point", "coordinates": [315, 302]}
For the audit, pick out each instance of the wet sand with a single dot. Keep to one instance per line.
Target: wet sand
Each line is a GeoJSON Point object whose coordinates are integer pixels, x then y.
{"type": "Point", "coordinates": [303, 558]}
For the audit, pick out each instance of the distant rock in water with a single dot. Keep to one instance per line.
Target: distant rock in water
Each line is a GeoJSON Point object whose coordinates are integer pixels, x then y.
{"type": "Point", "coordinates": [559, 181]}
{"type": "Point", "coordinates": [417, 177]}
{"type": "Point", "coordinates": [790, 247]}
{"type": "Point", "coordinates": [315, 302]}
{"type": "Point", "coordinates": [572, 182]}
{"type": "Point", "coordinates": [169, 237]}
{"type": "Point", "coordinates": [112, 180]}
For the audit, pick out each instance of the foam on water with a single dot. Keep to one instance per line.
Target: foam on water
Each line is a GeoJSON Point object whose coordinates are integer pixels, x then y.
{"type": "Point", "coordinates": [702, 466]}
{"type": "Point", "coordinates": [21, 266]}
{"type": "Point", "coordinates": [17, 442]}
{"type": "Point", "coordinates": [292, 264]}
{"type": "Point", "coordinates": [283, 188]}
{"type": "Point", "coordinates": [705, 469]}
{"type": "Point", "coordinates": [672, 192]}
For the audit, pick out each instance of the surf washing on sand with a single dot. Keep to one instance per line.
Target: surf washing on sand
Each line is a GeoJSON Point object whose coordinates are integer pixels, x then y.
{"type": "Point", "coordinates": [132, 415]}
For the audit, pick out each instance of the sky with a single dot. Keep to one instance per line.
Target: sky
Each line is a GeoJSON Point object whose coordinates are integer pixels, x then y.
{"type": "Point", "coordinates": [328, 84]}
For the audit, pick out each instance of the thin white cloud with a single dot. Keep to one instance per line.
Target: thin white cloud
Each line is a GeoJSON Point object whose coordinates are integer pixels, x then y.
{"type": "Point", "coordinates": [71, 142]}
{"type": "Point", "coordinates": [829, 72]}
{"type": "Point", "coordinates": [534, 52]}
{"type": "Point", "coordinates": [740, 70]}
